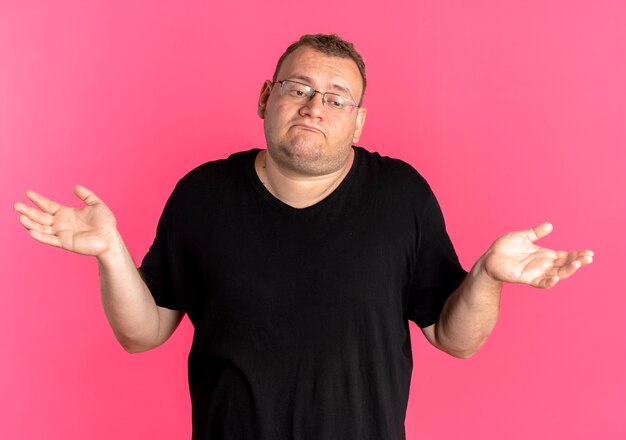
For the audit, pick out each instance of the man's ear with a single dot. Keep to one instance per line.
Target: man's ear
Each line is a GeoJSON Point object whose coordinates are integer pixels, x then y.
{"type": "Point", "coordinates": [360, 121]}
{"type": "Point", "coordinates": [266, 89]}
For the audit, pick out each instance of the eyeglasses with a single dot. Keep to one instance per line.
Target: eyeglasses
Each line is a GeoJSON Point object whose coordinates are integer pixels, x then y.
{"type": "Point", "coordinates": [301, 93]}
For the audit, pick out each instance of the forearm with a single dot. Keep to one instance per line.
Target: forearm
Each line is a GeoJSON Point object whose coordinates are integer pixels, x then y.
{"type": "Point", "coordinates": [470, 313]}
{"type": "Point", "coordinates": [127, 302]}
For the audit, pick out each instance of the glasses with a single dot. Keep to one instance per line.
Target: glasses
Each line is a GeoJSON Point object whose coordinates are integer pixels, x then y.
{"type": "Point", "coordinates": [301, 93]}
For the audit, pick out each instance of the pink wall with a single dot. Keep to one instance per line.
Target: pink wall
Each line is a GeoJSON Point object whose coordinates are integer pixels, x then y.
{"type": "Point", "coordinates": [515, 111]}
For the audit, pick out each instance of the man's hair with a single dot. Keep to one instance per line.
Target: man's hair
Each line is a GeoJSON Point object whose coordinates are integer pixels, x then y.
{"type": "Point", "coordinates": [329, 44]}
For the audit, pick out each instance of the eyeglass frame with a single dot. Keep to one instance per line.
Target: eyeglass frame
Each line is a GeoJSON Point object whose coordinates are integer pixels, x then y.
{"type": "Point", "coordinates": [322, 94]}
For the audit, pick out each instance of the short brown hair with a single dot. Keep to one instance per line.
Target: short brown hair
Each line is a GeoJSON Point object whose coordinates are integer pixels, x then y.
{"type": "Point", "coordinates": [329, 44]}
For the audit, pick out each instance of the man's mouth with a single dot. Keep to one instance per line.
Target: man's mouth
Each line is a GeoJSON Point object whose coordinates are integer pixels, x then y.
{"type": "Point", "coordinates": [308, 128]}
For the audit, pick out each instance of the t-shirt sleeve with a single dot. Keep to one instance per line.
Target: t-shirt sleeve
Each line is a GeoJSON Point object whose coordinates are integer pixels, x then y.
{"type": "Point", "coordinates": [437, 272]}
{"type": "Point", "coordinates": [157, 268]}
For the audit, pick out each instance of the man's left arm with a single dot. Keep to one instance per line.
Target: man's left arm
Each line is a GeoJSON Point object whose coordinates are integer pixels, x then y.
{"type": "Point", "coordinates": [471, 312]}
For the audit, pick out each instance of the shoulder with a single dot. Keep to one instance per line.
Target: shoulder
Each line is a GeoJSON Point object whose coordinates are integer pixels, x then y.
{"type": "Point", "coordinates": [391, 172]}
{"type": "Point", "coordinates": [217, 174]}
{"type": "Point", "coordinates": [208, 183]}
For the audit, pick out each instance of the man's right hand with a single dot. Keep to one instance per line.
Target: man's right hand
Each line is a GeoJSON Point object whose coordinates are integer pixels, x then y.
{"type": "Point", "coordinates": [138, 323]}
{"type": "Point", "coordinates": [90, 230]}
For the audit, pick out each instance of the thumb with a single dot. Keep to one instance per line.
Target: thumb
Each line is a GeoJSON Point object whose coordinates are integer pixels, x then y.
{"type": "Point", "coordinates": [539, 231]}
{"type": "Point", "coordinates": [86, 195]}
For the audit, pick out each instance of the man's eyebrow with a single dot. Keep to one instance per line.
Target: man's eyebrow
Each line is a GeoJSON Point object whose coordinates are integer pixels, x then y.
{"type": "Point", "coordinates": [310, 81]}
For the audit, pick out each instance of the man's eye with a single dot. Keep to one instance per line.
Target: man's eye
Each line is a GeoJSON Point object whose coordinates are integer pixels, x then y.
{"type": "Point", "coordinates": [297, 93]}
{"type": "Point", "coordinates": [336, 103]}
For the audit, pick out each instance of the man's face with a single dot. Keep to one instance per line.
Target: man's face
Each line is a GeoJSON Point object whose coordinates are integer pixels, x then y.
{"type": "Point", "coordinates": [308, 138]}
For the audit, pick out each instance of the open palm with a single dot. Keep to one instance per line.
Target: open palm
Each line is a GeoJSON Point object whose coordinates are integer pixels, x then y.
{"type": "Point", "coordinates": [87, 230]}
{"type": "Point", "coordinates": [515, 258]}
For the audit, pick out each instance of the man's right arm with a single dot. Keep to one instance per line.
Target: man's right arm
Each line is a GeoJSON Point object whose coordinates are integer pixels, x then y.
{"type": "Point", "coordinates": [137, 322]}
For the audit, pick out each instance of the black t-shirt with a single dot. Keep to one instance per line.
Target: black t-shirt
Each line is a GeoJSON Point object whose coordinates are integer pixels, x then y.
{"type": "Point", "coordinates": [300, 315]}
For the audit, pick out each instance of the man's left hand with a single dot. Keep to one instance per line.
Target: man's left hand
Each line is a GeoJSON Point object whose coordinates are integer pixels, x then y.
{"type": "Point", "coordinates": [514, 258]}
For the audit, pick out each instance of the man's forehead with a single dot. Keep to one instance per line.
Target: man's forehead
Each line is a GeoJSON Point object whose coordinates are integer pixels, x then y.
{"type": "Point", "coordinates": [319, 69]}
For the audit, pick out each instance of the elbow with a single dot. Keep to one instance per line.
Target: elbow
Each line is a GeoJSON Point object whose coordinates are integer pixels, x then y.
{"type": "Point", "coordinates": [133, 346]}
{"type": "Point", "coordinates": [461, 351]}
{"type": "Point", "coordinates": [462, 354]}
{"type": "Point", "coordinates": [133, 349]}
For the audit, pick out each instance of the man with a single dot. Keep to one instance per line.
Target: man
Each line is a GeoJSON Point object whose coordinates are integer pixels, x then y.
{"type": "Point", "coordinates": [299, 267]}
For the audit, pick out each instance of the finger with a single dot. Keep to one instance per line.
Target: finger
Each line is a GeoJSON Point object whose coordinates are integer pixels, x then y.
{"type": "Point", "coordinates": [539, 231]}
{"type": "Point", "coordinates": [547, 283]}
{"type": "Point", "coordinates": [569, 269]}
{"type": "Point", "coordinates": [86, 195]}
{"type": "Point", "coordinates": [587, 259]}
{"type": "Point", "coordinates": [561, 273]}
{"type": "Point", "coordinates": [43, 203]}
{"type": "Point", "coordinates": [31, 225]}
{"type": "Point", "coordinates": [45, 238]}
{"type": "Point", "coordinates": [563, 258]}
{"type": "Point", "coordinates": [33, 214]}
{"type": "Point", "coordinates": [586, 256]}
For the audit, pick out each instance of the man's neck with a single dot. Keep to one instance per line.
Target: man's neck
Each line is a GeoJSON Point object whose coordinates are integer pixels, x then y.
{"type": "Point", "coordinates": [296, 190]}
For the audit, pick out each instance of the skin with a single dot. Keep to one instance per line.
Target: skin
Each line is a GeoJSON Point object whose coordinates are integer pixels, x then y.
{"type": "Point", "coordinates": [309, 152]}
{"type": "Point", "coordinates": [137, 322]}
{"type": "Point", "coordinates": [470, 313]}
{"type": "Point", "coordinates": [307, 140]}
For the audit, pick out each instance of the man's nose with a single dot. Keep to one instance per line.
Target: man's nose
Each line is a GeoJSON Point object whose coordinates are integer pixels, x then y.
{"type": "Point", "coordinates": [315, 105]}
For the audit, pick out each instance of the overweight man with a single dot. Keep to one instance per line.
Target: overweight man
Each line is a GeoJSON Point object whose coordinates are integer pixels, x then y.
{"type": "Point", "coordinates": [299, 266]}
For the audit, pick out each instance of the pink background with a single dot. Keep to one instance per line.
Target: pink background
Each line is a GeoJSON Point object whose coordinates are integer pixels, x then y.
{"type": "Point", "coordinates": [514, 111]}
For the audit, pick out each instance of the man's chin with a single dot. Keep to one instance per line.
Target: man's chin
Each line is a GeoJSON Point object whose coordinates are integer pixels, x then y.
{"type": "Point", "coordinates": [305, 147]}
